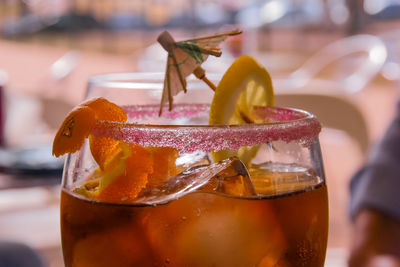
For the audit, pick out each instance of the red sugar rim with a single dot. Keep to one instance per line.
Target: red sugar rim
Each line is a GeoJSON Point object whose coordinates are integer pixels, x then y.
{"type": "Point", "coordinates": [285, 124]}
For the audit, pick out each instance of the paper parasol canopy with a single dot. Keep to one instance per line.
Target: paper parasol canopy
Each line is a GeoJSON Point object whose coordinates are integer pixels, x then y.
{"type": "Point", "coordinates": [185, 57]}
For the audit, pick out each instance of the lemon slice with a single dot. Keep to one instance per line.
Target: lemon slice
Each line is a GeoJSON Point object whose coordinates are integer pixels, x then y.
{"type": "Point", "coordinates": [245, 84]}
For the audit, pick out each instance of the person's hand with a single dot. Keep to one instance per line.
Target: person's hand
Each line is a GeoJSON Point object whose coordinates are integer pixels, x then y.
{"type": "Point", "coordinates": [375, 241]}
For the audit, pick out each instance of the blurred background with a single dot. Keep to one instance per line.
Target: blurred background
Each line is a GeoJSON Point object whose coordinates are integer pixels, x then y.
{"type": "Point", "coordinates": [337, 58]}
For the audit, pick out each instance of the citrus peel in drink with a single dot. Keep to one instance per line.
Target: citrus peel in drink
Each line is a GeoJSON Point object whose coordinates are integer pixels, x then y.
{"type": "Point", "coordinates": [133, 169]}
{"type": "Point", "coordinates": [124, 169]}
{"type": "Point", "coordinates": [106, 110]}
{"type": "Point", "coordinates": [71, 135]}
{"type": "Point", "coordinates": [78, 124]}
{"type": "Point", "coordinates": [130, 178]}
{"type": "Point", "coordinates": [164, 165]}
{"type": "Point", "coordinates": [105, 150]}
{"type": "Point", "coordinates": [116, 160]}
{"type": "Point", "coordinates": [244, 85]}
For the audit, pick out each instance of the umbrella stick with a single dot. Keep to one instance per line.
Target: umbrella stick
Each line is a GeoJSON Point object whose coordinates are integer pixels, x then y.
{"type": "Point", "coordinates": [235, 32]}
{"type": "Point", "coordinates": [209, 83]}
{"type": "Point", "coordinates": [200, 73]}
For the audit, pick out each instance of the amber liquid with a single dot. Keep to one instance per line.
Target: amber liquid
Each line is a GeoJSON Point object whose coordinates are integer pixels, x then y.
{"type": "Point", "coordinates": [199, 229]}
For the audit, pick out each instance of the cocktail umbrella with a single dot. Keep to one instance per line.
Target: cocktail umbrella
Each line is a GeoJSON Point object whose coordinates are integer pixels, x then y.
{"type": "Point", "coordinates": [185, 57]}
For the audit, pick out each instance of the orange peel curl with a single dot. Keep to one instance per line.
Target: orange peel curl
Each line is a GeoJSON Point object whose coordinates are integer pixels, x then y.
{"type": "Point", "coordinates": [80, 121]}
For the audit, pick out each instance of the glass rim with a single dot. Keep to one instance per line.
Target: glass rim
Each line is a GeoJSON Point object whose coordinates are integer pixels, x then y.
{"type": "Point", "coordinates": [189, 138]}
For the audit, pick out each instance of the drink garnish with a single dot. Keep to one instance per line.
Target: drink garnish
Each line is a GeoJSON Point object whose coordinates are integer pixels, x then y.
{"type": "Point", "coordinates": [136, 167]}
{"type": "Point", "coordinates": [124, 169]}
{"type": "Point", "coordinates": [164, 165]}
{"type": "Point", "coordinates": [184, 58]}
{"type": "Point", "coordinates": [244, 85]}
{"type": "Point", "coordinates": [80, 121]}
{"type": "Point", "coordinates": [133, 169]}
{"type": "Point", "coordinates": [73, 131]}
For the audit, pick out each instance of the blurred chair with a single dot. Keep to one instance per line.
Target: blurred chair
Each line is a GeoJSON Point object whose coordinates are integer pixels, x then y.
{"type": "Point", "coordinates": [281, 13]}
{"type": "Point", "coordinates": [333, 111]}
{"type": "Point", "coordinates": [296, 17]}
{"type": "Point", "coordinates": [376, 54]}
{"type": "Point", "coordinates": [382, 9]}
{"type": "Point", "coordinates": [365, 12]}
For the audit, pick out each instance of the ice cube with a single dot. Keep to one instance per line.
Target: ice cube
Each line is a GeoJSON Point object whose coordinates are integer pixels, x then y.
{"type": "Point", "coordinates": [229, 176]}
{"type": "Point", "coordinates": [233, 180]}
{"type": "Point", "coordinates": [187, 160]}
{"type": "Point", "coordinates": [276, 178]}
{"type": "Point", "coordinates": [203, 229]}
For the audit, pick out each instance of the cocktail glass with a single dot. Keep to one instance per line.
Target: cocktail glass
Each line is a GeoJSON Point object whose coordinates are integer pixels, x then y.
{"type": "Point", "coordinates": [264, 205]}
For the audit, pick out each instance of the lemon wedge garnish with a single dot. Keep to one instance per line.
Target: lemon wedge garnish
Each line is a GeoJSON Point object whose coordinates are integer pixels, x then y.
{"type": "Point", "coordinates": [245, 84]}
